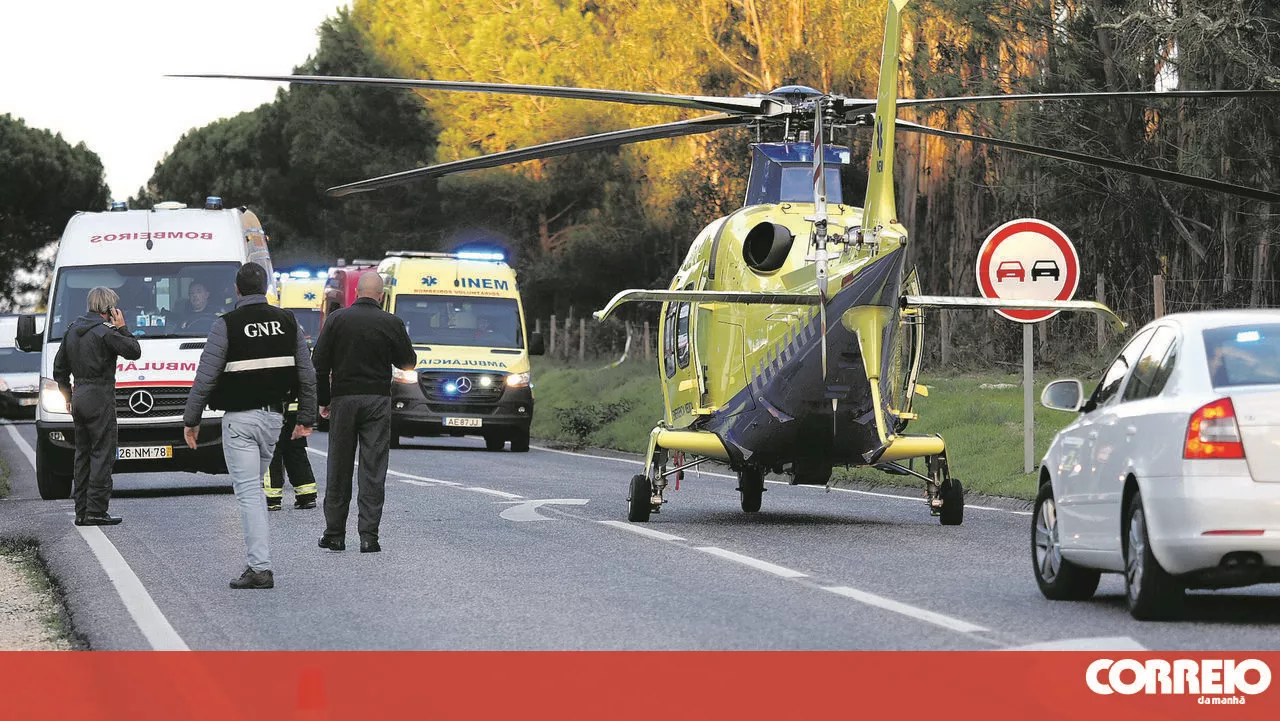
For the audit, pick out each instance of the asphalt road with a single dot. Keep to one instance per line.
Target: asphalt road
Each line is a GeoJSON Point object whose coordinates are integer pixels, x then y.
{"type": "Point", "coordinates": [468, 563]}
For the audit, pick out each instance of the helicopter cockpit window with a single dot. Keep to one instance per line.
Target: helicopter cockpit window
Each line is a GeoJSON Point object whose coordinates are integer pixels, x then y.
{"type": "Point", "coordinates": [797, 185]}
{"type": "Point", "coordinates": [682, 336]}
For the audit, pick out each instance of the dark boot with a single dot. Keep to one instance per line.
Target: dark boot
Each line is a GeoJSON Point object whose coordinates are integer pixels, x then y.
{"type": "Point", "coordinates": [305, 500]}
{"type": "Point", "coordinates": [254, 579]}
{"type": "Point", "coordinates": [99, 519]}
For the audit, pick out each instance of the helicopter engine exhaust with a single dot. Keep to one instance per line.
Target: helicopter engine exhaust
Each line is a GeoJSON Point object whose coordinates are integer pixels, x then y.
{"type": "Point", "coordinates": [767, 246]}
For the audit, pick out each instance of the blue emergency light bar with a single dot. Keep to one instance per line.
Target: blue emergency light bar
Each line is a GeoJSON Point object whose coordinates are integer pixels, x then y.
{"type": "Point", "coordinates": [477, 255]}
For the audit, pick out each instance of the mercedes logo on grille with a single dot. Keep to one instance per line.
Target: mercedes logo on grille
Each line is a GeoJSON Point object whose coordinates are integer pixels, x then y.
{"type": "Point", "coordinates": [141, 402]}
{"type": "Point", "coordinates": [464, 385]}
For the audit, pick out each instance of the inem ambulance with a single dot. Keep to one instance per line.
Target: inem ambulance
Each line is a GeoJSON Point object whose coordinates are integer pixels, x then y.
{"type": "Point", "coordinates": [174, 269]}
{"type": "Point", "coordinates": [302, 295]}
{"type": "Point", "coordinates": [464, 316]}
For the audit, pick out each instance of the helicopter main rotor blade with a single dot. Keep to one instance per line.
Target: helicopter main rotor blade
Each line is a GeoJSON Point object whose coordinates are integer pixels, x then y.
{"type": "Point", "coordinates": [704, 124]}
{"type": "Point", "coordinates": [1023, 97]}
{"type": "Point", "coordinates": [1097, 161]}
{"type": "Point", "coordinates": [744, 106]}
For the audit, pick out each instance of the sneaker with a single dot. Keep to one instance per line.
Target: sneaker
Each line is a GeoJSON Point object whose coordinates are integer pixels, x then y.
{"type": "Point", "coordinates": [254, 579]}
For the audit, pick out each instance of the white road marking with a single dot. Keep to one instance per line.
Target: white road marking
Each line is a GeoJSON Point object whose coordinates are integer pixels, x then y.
{"type": "Point", "coordinates": [905, 609]}
{"type": "Point", "coordinates": [153, 624]}
{"type": "Point", "coordinates": [755, 563]}
{"type": "Point", "coordinates": [415, 482]}
{"type": "Point", "coordinates": [20, 442]}
{"type": "Point", "coordinates": [1113, 643]}
{"type": "Point", "coordinates": [782, 483]}
{"type": "Point", "coordinates": [436, 481]}
{"type": "Point", "coordinates": [642, 530]}
{"type": "Point", "coordinates": [528, 510]}
{"type": "Point", "coordinates": [490, 491]}
{"type": "Point", "coordinates": [157, 629]}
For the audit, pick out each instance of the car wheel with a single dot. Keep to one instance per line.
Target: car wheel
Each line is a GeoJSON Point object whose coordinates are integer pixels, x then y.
{"type": "Point", "coordinates": [1151, 593]}
{"type": "Point", "coordinates": [520, 441]}
{"type": "Point", "coordinates": [1058, 578]}
{"type": "Point", "coordinates": [53, 486]}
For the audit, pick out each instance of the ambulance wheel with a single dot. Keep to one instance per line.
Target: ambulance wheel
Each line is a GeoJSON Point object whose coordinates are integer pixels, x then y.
{"type": "Point", "coordinates": [520, 441]}
{"type": "Point", "coordinates": [53, 486]}
{"type": "Point", "coordinates": [952, 494]}
{"type": "Point", "coordinates": [751, 489]}
{"type": "Point", "coordinates": [494, 442]}
{"type": "Point", "coordinates": [639, 502]}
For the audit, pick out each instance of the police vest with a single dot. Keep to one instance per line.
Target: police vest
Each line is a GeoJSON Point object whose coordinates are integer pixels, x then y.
{"type": "Point", "coordinates": [260, 369]}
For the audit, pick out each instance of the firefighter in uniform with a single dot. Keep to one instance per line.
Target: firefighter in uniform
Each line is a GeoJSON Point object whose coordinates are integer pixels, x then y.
{"type": "Point", "coordinates": [291, 456]}
{"type": "Point", "coordinates": [254, 363]}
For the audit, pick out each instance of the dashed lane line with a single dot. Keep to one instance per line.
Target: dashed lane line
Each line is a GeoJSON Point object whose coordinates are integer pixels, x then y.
{"type": "Point", "coordinates": [491, 492]}
{"type": "Point", "coordinates": [141, 607]}
{"type": "Point", "coordinates": [906, 609]}
{"type": "Point", "coordinates": [755, 563]}
{"type": "Point", "coordinates": [659, 535]}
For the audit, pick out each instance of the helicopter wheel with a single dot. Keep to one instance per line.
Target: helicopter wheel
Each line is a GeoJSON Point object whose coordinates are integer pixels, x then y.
{"type": "Point", "coordinates": [751, 489]}
{"type": "Point", "coordinates": [639, 503]}
{"type": "Point", "coordinates": [952, 494]}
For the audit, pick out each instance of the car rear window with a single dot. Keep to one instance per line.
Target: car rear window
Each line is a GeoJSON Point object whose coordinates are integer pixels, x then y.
{"type": "Point", "coordinates": [1243, 355]}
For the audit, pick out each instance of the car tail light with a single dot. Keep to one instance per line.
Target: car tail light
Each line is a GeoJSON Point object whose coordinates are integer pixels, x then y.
{"type": "Point", "coordinates": [1213, 433]}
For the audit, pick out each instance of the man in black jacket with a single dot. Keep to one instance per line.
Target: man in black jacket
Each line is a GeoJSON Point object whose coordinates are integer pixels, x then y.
{"type": "Point", "coordinates": [254, 362]}
{"type": "Point", "coordinates": [87, 356]}
{"type": "Point", "coordinates": [359, 345]}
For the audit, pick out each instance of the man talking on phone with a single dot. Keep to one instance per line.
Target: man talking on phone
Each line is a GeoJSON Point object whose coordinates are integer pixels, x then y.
{"type": "Point", "coordinates": [85, 371]}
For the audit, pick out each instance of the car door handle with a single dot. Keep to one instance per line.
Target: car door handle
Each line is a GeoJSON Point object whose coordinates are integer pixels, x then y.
{"type": "Point", "coordinates": [1131, 430]}
{"type": "Point", "coordinates": [1093, 435]}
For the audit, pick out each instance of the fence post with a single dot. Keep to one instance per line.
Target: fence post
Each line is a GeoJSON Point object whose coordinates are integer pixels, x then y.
{"type": "Point", "coordinates": [1102, 326]}
{"type": "Point", "coordinates": [646, 340]}
{"type": "Point", "coordinates": [582, 339]}
{"type": "Point", "coordinates": [946, 338]}
{"type": "Point", "coordinates": [537, 325]}
{"type": "Point", "coordinates": [1157, 287]}
{"type": "Point", "coordinates": [567, 327]}
{"type": "Point", "coordinates": [552, 351]}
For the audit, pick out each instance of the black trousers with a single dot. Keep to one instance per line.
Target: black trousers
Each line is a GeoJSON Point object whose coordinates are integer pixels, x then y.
{"type": "Point", "coordinates": [366, 419]}
{"type": "Point", "coordinates": [93, 409]}
{"type": "Point", "coordinates": [291, 456]}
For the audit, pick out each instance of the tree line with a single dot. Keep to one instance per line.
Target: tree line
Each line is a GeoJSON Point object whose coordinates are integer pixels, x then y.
{"type": "Point", "coordinates": [581, 227]}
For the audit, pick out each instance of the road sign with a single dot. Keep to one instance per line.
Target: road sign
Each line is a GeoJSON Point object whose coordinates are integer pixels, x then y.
{"type": "Point", "coordinates": [1028, 259]}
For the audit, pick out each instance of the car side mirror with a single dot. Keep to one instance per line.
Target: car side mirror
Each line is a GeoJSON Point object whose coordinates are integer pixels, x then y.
{"type": "Point", "coordinates": [536, 345]}
{"type": "Point", "coordinates": [28, 339]}
{"type": "Point", "coordinates": [1063, 395]}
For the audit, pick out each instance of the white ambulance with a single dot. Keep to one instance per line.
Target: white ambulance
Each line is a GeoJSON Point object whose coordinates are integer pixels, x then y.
{"type": "Point", "coordinates": [174, 268]}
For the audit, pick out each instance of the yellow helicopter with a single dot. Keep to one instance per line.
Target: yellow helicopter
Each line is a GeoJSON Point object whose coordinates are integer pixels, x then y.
{"type": "Point", "coordinates": [791, 335]}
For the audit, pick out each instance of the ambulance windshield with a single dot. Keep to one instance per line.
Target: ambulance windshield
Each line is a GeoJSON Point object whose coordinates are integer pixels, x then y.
{"type": "Point", "coordinates": [159, 300]}
{"type": "Point", "coordinates": [450, 320]}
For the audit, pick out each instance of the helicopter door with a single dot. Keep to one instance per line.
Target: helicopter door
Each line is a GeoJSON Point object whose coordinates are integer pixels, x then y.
{"type": "Point", "coordinates": [678, 363]}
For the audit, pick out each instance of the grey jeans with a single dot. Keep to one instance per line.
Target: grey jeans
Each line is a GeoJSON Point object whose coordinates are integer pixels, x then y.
{"type": "Point", "coordinates": [248, 442]}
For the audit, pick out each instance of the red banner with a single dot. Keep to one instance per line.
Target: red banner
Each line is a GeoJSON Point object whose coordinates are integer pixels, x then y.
{"type": "Point", "coordinates": [333, 686]}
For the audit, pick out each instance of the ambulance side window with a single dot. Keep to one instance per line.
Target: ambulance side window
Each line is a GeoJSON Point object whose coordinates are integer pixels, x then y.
{"type": "Point", "coordinates": [669, 341]}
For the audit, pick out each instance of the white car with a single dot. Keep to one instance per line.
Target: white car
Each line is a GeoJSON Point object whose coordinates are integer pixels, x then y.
{"type": "Point", "coordinates": [19, 374]}
{"type": "Point", "coordinates": [1171, 473]}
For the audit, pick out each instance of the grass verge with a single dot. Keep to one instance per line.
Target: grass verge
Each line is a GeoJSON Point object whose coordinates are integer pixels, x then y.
{"type": "Point", "coordinates": [40, 589]}
{"type": "Point", "coordinates": [979, 415]}
{"type": "Point", "coordinates": [5, 470]}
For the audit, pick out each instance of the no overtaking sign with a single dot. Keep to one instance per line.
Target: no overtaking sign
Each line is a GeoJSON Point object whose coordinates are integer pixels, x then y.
{"type": "Point", "coordinates": [1028, 259]}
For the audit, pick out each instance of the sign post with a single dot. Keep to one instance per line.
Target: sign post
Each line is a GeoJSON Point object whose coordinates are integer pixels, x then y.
{"type": "Point", "coordinates": [1028, 259]}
